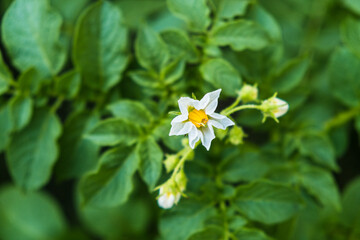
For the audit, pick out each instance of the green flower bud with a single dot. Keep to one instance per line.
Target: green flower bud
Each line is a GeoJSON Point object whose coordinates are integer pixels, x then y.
{"type": "Point", "coordinates": [248, 93]}
{"type": "Point", "coordinates": [221, 133]}
{"type": "Point", "coordinates": [170, 162]}
{"type": "Point", "coordinates": [236, 135]}
{"type": "Point", "coordinates": [274, 107]}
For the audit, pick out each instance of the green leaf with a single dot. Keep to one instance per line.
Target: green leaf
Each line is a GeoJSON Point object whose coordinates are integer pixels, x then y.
{"type": "Point", "coordinates": [194, 12]}
{"type": "Point", "coordinates": [77, 154]}
{"type": "Point", "coordinates": [246, 166]}
{"type": "Point", "coordinates": [232, 8]}
{"type": "Point", "coordinates": [30, 81]}
{"type": "Point", "coordinates": [179, 45]}
{"type": "Point", "coordinates": [353, 5]}
{"type": "Point", "coordinates": [240, 35]}
{"type": "Point", "coordinates": [351, 215]}
{"type": "Point", "coordinates": [350, 34]}
{"type": "Point", "coordinates": [319, 148]}
{"type": "Point", "coordinates": [31, 31]}
{"type": "Point", "coordinates": [344, 71]}
{"type": "Point", "coordinates": [32, 151]}
{"type": "Point", "coordinates": [151, 157]}
{"type": "Point", "coordinates": [21, 110]}
{"type": "Point", "coordinates": [30, 216]}
{"type": "Point", "coordinates": [151, 50]}
{"type": "Point", "coordinates": [132, 111]}
{"type": "Point", "coordinates": [290, 75]}
{"type": "Point", "coordinates": [222, 75]}
{"type": "Point", "coordinates": [184, 220]}
{"type": "Point", "coordinates": [267, 202]}
{"type": "Point", "coordinates": [68, 84]}
{"type": "Point", "coordinates": [111, 184]}
{"type": "Point", "coordinates": [259, 15]}
{"type": "Point", "coordinates": [173, 71]}
{"type": "Point", "coordinates": [6, 125]}
{"type": "Point", "coordinates": [251, 234]}
{"type": "Point", "coordinates": [5, 76]}
{"type": "Point", "coordinates": [321, 184]}
{"type": "Point", "coordinates": [209, 233]}
{"type": "Point", "coordinates": [114, 131]}
{"type": "Point", "coordinates": [99, 44]}
{"type": "Point", "coordinates": [69, 9]}
{"type": "Point", "coordinates": [145, 79]}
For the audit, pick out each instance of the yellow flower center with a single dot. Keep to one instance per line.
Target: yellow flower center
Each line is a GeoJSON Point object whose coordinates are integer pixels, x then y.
{"type": "Point", "coordinates": [198, 118]}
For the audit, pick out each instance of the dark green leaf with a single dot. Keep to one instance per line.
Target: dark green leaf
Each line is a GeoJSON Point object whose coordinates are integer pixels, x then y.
{"type": "Point", "coordinates": [194, 12]}
{"type": "Point", "coordinates": [350, 34]}
{"type": "Point", "coordinates": [209, 233]}
{"type": "Point", "coordinates": [259, 15]}
{"type": "Point", "coordinates": [29, 216]}
{"type": "Point", "coordinates": [114, 131]}
{"type": "Point", "coordinates": [68, 84]}
{"type": "Point", "coordinates": [151, 50]}
{"type": "Point", "coordinates": [145, 79]}
{"type": "Point", "coordinates": [21, 109]}
{"type": "Point", "coordinates": [179, 45]}
{"type": "Point", "coordinates": [6, 125]}
{"type": "Point", "coordinates": [151, 157]}
{"type": "Point", "coordinates": [31, 32]}
{"type": "Point", "coordinates": [32, 151]}
{"type": "Point", "coordinates": [77, 154]}
{"type": "Point", "coordinates": [222, 75]}
{"type": "Point", "coordinates": [251, 234]}
{"type": "Point", "coordinates": [240, 35]}
{"type": "Point", "coordinates": [232, 8]}
{"type": "Point", "coordinates": [344, 71]}
{"type": "Point", "coordinates": [99, 44]}
{"type": "Point", "coordinates": [268, 202]}
{"type": "Point", "coordinates": [132, 111]}
{"type": "Point", "coordinates": [5, 76]}
{"type": "Point", "coordinates": [111, 184]}
{"type": "Point", "coordinates": [173, 71]}
{"type": "Point", "coordinates": [353, 5]}
{"type": "Point", "coordinates": [30, 81]}
{"type": "Point", "coordinates": [351, 198]}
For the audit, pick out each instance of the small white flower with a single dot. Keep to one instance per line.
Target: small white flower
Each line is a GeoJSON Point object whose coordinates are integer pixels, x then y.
{"type": "Point", "coordinates": [274, 107]}
{"type": "Point", "coordinates": [198, 118]}
{"type": "Point", "coordinates": [282, 107]}
{"type": "Point", "coordinates": [167, 199]}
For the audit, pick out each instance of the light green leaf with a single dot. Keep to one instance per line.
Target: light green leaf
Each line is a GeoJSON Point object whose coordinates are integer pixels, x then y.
{"type": "Point", "coordinates": [151, 157]}
{"type": "Point", "coordinates": [290, 75]}
{"type": "Point", "coordinates": [179, 45]}
{"type": "Point", "coordinates": [240, 35]}
{"type": "Point", "coordinates": [350, 34]}
{"type": "Point", "coordinates": [31, 33]}
{"type": "Point", "coordinates": [184, 220]}
{"type": "Point", "coordinates": [6, 125]}
{"type": "Point", "coordinates": [251, 234]}
{"type": "Point", "coordinates": [246, 166]}
{"type": "Point", "coordinates": [69, 9]}
{"type": "Point", "coordinates": [351, 198]}
{"type": "Point", "coordinates": [267, 202]}
{"type": "Point", "coordinates": [131, 111]}
{"type": "Point", "coordinates": [29, 216]}
{"type": "Point", "coordinates": [21, 109]}
{"type": "Point", "coordinates": [5, 76]}
{"type": "Point", "coordinates": [344, 72]}
{"type": "Point", "coordinates": [319, 148]}
{"type": "Point", "coordinates": [232, 8]}
{"type": "Point", "coordinates": [174, 71]}
{"type": "Point", "coordinates": [259, 15]}
{"type": "Point", "coordinates": [194, 12]}
{"type": "Point", "coordinates": [32, 151]}
{"type": "Point", "coordinates": [99, 44]}
{"type": "Point", "coordinates": [30, 81]}
{"type": "Point", "coordinates": [151, 50]}
{"type": "Point", "coordinates": [353, 5]}
{"type": "Point", "coordinates": [111, 184]}
{"type": "Point", "coordinates": [68, 84]}
{"type": "Point", "coordinates": [114, 131]}
{"type": "Point", "coordinates": [77, 154]}
{"type": "Point", "coordinates": [145, 79]}
{"type": "Point", "coordinates": [209, 233]}
{"type": "Point", "coordinates": [222, 75]}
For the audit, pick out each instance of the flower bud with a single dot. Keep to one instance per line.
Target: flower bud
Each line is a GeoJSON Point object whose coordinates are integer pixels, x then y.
{"type": "Point", "coordinates": [220, 133]}
{"type": "Point", "coordinates": [168, 197]}
{"type": "Point", "coordinates": [170, 162]}
{"type": "Point", "coordinates": [274, 107]}
{"type": "Point", "coordinates": [236, 135]}
{"type": "Point", "coordinates": [248, 93]}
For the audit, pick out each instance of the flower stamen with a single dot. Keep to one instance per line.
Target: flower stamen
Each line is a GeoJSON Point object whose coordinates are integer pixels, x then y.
{"type": "Point", "coordinates": [198, 118]}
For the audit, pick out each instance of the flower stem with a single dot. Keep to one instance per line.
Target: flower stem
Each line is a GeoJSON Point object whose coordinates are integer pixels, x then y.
{"type": "Point", "coordinates": [249, 106]}
{"type": "Point", "coordinates": [341, 118]}
{"type": "Point", "coordinates": [235, 103]}
{"type": "Point", "coordinates": [180, 164]}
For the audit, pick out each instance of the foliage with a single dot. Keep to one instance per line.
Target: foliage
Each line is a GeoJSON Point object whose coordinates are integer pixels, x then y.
{"type": "Point", "coordinates": [86, 88]}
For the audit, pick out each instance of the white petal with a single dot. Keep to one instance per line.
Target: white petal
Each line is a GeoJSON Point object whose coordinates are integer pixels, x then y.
{"type": "Point", "coordinates": [166, 201]}
{"type": "Point", "coordinates": [207, 136]}
{"type": "Point", "coordinates": [179, 119]}
{"type": "Point", "coordinates": [209, 102]}
{"type": "Point", "coordinates": [220, 121]}
{"type": "Point", "coordinates": [283, 107]}
{"type": "Point", "coordinates": [177, 197]}
{"type": "Point", "coordinates": [185, 103]}
{"type": "Point", "coordinates": [193, 137]}
{"type": "Point", "coordinates": [180, 128]}
{"type": "Point", "coordinates": [203, 102]}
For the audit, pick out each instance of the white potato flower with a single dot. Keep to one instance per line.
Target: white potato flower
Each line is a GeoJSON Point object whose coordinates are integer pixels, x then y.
{"type": "Point", "coordinates": [274, 107]}
{"type": "Point", "coordinates": [198, 118]}
{"type": "Point", "coordinates": [167, 199]}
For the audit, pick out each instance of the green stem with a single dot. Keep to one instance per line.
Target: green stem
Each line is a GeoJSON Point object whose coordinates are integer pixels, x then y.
{"type": "Point", "coordinates": [57, 104]}
{"type": "Point", "coordinates": [180, 164]}
{"type": "Point", "coordinates": [249, 106]}
{"type": "Point", "coordinates": [341, 118]}
{"type": "Point", "coordinates": [237, 101]}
